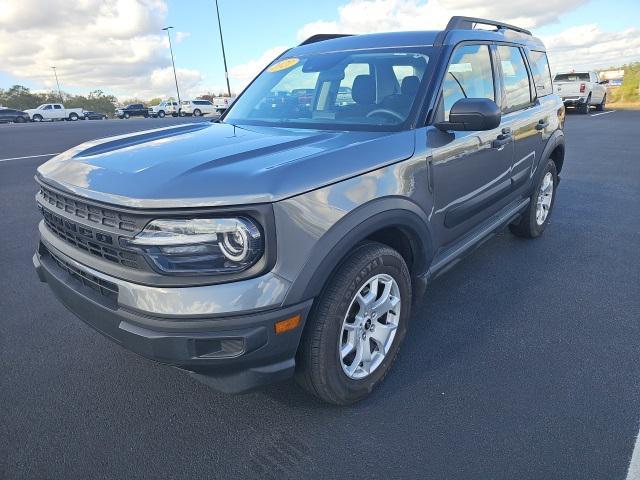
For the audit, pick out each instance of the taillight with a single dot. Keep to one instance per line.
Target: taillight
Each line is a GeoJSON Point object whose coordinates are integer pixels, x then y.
{"type": "Point", "coordinates": [583, 87]}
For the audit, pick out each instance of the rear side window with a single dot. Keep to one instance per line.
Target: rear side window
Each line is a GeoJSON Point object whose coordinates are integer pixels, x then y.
{"type": "Point", "coordinates": [469, 75]}
{"type": "Point", "coordinates": [58, 107]}
{"type": "Point", "coordinates": [541, 73]}
{"type": "Point", "coordinates": [517, 88]}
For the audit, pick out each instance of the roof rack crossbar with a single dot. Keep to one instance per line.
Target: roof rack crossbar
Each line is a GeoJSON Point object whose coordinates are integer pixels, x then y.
{"type": "Point", "coordinates": [320, 37]}
{"type": "Point", "coordinates": [467, 23]}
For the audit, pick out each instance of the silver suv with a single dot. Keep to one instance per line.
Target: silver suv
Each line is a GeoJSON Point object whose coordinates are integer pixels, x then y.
{"type": "Point", "coordinates": [291, 236]}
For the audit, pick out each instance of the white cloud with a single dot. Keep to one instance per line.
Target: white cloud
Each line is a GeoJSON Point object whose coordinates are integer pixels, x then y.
{"type": "Point", "coordinates": [115, 45]}
{"type": "Point", "coordinates": [368, 16]}
{"type": "Point", "coordinates": [241, 74]}
{"type": "Point", "coordinates": [588, 46]}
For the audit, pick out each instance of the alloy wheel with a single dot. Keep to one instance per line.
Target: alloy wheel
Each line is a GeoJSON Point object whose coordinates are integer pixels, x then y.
{"type": "Point", "coordinates": [369, 327]}
{"type": "Point", "coordinates": [545, 195]}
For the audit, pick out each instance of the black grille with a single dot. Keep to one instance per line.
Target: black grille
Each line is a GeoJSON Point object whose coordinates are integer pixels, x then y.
{"type": "Point", "coordinates": [98, 215]}
{"type": "Point", "coordinates": [100, 244]}
{"type": "Point", "coordinates": [108, 289]}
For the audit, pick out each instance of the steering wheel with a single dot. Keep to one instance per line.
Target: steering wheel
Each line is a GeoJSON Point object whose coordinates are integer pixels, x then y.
{"type": "Point", "coordinates": [387, 112]}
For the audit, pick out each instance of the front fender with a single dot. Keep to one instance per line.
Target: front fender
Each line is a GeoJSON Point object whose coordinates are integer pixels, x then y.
{"type": "Point", "coordinates": [359, 224]}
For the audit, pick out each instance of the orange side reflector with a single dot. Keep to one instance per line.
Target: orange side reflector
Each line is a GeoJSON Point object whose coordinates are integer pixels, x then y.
{"type": "Point", "coordinates": [288, 324]}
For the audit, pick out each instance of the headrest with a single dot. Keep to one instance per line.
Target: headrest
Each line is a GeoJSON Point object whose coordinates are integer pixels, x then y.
{"type": "Point", "coordinates": [364, 89]}
{"type": "Point", "coordinates": [410, 85]}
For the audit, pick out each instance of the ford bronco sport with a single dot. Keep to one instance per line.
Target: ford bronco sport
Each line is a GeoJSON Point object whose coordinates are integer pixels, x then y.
{"type": "Point", "coordinates": [290, 237]}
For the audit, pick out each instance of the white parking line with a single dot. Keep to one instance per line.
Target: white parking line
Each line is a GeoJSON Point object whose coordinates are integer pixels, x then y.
{"type": "Point", "coordinates": [601, 113]}
{"type": "Point", "coordinates": [633, 473]}
{"type": "Point", "coordinates": [30, 156]}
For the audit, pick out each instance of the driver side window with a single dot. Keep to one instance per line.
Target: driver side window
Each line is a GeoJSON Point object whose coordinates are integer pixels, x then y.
{"type": "Point", "coordinates": [469, 75]}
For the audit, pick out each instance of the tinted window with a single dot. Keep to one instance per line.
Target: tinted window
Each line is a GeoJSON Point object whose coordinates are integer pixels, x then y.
{"type": "Point", "coordinates": [517, 90]}
{"type": "Point", "coordinates": [202, 102]}
{"type": "Point", "coordinates": [469, 76]}
{"type": "Point", "coordinates": [48, 107]}
{"type": "Point", "coordinates": [571, 77]}
{"type": "Point", "coordinates": [58, 107]}
{"type": "Point", "coordinates": [541, 73]}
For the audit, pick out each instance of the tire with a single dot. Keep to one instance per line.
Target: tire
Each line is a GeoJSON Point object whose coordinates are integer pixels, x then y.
{"type": "Point", "coordinates": [601, 105]}
{"type": "Point", "coordinates": [320, 367]}
{"type": "Point", "coordinates": [161, 114]}
{"type": "Point", "coordinates": [73, 116]}
{"type": "Point", "coordinates": [19, 120]}
{"type": "Point", "coordinates": [126, 116]}
{"type": "Point", "coordinates": [197, 113]}
{"type": "Point", "coordinates": [529, 225]}
{"type": "Point", "coordinates": [37, 118]}
{"type": "Point", "coordinates": [584, 108]}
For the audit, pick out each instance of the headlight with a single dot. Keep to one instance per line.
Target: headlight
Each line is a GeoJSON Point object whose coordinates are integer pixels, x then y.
{"type": "Point", "coordinates": [200, 245]}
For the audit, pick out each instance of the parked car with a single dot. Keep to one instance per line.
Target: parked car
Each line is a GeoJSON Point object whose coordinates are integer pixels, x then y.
{"type": "Point", "coordinates": [271, 243]}
{"type": "Point", "coordinates": [12, 115]}
{"type": "Point", "coordinates": [197, 108]}
{"type": "Point", "coordinates": [89, 115]}
{"type": "Point", "coordinates": [54, 111]}
{"type": "Point", "coordinates": [164, 108]}
{"type": "Point", "coordinates": [133, 110]}
{"type": "Point", "coordinates": [222, 103]}
{"type": "Point", "coordinates": [581, 90]}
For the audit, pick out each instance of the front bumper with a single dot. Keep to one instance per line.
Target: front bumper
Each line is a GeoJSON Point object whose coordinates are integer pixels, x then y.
{"type": "Point", "coordinates": [233, 354]}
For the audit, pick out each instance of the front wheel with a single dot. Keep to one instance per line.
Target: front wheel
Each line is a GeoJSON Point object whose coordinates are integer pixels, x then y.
{"type": "Point", "coordinates": [37, 118]}
{"type": "Point", "coordinates": [197, 113]}
{"type": "Point", "coordinates": [536, 217]}
{"type": "Point", "coordinates": [126, 115]}
{"type": "Point", "coordinates": [354, 331]}
{"type": "Point", "coordinates": [19, 120]}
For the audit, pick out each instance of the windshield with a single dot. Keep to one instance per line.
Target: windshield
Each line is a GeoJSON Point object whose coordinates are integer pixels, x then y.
{"type": "Point", "coordinates": [363, 90]}
{"type": "Point", "coordinates": [572, 77]}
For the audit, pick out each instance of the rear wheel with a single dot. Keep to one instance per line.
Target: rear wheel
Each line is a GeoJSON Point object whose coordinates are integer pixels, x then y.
{"type": "Point", "coordinates": [73, 116]}
{"type": "Point", "coordinates": [354, 331]}
{"type": "Point", "coordinates": [601, 105]}
{"type": "Point", "coordinates": [536, 217]}
{"type": "Point", "coordinates": [584, 108]}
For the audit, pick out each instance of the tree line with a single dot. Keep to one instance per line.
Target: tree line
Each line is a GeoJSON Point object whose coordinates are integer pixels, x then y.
{"type": "Point", "coordinates": [21, 98]}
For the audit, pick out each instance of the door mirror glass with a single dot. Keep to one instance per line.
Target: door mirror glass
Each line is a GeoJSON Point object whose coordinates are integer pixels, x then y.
{"type": "Point", "coordinates": [472, 114]}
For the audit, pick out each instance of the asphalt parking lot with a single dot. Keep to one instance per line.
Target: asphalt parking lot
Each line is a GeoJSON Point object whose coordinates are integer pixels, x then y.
{"type": "Point", "coordinates": [522, 362]}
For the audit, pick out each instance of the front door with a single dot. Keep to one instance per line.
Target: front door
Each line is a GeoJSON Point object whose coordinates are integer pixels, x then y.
{"type": "Point", "coordinates": [470, 170]}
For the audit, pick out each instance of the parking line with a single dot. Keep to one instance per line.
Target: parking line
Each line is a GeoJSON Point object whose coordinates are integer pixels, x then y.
{"type": "Point", "coordinates": [30, 156]}
{"type": "Point", "coordinates": [602, 113]}
{"type": "Point", "coordinates": [633, 473]}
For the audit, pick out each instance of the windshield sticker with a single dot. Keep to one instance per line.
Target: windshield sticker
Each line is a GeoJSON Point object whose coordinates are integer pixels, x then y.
{"type": "Point", "coordinates": [283, 64]}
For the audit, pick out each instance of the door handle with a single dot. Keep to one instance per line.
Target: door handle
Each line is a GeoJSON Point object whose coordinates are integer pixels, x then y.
{"type": "Point", "coordinates": [502, 139]}
{"type": "Point", "coordinates": [542, 124]}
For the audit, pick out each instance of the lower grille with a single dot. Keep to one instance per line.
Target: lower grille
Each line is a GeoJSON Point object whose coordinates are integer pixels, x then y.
{"type": "Point", "coordinates": [100, 244]}
{"type": "Point", "coordinates": [108, 289]}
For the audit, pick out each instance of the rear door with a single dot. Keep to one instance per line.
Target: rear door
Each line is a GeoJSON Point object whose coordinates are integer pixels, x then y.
{"type": "Point", "coordinates": [522, 113]}
{"type": "Point", "coordinates": [470, 170]}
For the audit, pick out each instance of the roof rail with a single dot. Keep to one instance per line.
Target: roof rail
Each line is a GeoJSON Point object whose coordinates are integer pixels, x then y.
{"type": "Point", "coordinates": [467, 23]}
{"type": "Point", "coordinates": [321, 37]}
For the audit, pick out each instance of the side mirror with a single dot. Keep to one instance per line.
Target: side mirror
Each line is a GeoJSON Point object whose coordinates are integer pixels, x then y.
{"type": "Point", "coordinates": [604, 82]}
{"type": "Point", "coordinates": [472, 114]}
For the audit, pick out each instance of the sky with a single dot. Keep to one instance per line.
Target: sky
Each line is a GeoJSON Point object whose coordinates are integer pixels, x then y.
{"type": "Point", "coordinates": [118, 46]}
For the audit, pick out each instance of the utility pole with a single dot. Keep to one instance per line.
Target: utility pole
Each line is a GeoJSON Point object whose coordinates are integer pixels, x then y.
{"type": "Point", "coordinates": [224, 57]}
{"type": "Point", "coordinates": [58, 83]}
{"type": "Point", "coordinates": [174, 65]}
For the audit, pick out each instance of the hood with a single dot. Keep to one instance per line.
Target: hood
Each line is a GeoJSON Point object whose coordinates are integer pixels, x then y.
{"type": "Point", "coordinates": [210, 164]}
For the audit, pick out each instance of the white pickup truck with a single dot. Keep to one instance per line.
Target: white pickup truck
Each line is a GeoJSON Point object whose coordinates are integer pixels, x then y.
{"type": "Point", "coordinates": [581, 90]}
{"type": "Point", "coordinates": [54, 111]}
{"type": "Point", "coordinates": [222, 103]}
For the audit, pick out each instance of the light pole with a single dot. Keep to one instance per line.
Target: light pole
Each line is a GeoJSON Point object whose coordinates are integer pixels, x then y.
{"type": "Point", "coordinates": [57, 83]}
{"type": "Point", "coordinates": [174, 65]}
{"type": "Point", "coordinates": [224, 57]}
